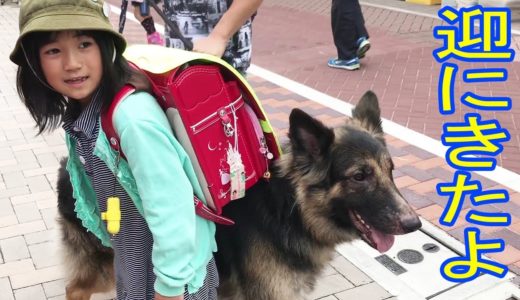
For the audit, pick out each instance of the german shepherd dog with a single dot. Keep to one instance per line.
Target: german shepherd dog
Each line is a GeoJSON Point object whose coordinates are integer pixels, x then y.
{"type": "Point", "coordinates": [329, 187]}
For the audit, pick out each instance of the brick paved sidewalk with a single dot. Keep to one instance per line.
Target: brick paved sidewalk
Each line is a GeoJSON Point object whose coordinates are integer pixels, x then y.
{"type": "Point", "coordinates": [29, 265]}
{"type": "Point", "coordinates": [399, 67]}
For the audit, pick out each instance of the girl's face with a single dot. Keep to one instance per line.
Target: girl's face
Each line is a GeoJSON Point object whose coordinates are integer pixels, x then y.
{"type": "Point", "coordinates": [72, 65]}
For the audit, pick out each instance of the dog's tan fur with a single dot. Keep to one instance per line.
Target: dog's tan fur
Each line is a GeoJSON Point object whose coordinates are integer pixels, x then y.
{"type": "Point", "coordinates": [89, 269]}
{"type": "Point", "coordinates": [282, 280]}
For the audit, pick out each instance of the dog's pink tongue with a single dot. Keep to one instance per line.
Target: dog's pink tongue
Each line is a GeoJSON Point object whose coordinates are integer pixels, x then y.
{"type": "Point", "coordinates": [383, 241]}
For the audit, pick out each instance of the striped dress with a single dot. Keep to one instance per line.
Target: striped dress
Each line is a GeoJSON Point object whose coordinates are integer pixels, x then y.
{"type": "Point", "coordinates": [133, 244]}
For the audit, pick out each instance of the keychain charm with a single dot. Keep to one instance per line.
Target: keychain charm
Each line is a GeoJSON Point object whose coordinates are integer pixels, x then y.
{"type": "Point", "coordinates": [237, 173]}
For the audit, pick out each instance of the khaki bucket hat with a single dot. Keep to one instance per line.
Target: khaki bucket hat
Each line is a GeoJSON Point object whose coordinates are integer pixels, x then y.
{"type": "Point", "coordinates": [55, 15]}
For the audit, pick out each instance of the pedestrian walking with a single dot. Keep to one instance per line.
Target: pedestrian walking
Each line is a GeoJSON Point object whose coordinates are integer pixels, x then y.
{"type": "Point", "coordinates": [349, 33]}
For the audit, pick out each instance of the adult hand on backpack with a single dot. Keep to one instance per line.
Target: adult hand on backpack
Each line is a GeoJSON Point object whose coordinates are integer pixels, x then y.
{"type": "Point", "coordinates": [212, 44]}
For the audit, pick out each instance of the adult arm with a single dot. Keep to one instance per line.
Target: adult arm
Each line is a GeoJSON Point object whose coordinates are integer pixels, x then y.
{"type": "Point", "coordinates": [236, 15]}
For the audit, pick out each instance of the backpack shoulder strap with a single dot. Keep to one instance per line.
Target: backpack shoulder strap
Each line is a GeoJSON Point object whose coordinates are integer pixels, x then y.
{"type": "Point", "coordinates": [107, 117]}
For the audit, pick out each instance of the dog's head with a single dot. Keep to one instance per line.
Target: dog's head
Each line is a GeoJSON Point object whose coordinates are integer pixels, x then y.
{"type": "Point", "coordinates": [343, 179]}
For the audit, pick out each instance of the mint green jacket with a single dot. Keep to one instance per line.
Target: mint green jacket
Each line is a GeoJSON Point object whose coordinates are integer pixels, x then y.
{"type": "Point", "coordinates": [160, 179]}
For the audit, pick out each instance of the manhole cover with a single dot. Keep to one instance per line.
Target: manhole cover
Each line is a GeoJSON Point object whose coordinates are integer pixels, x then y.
{"type": "Point", "coordinates": [410, 256]}
{"type": "Point", "coordinates": [429, 247]}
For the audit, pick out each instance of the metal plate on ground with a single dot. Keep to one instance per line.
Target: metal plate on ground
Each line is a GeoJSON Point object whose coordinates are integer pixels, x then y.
{"type": "Point", "coordinates": [391, 264]}
{"type": "Point", "coordinates": [410, 256]}
{"type": "Point", "coordinates": [424, 267]}
{"type": "Point", "coordinates": [422, 278]}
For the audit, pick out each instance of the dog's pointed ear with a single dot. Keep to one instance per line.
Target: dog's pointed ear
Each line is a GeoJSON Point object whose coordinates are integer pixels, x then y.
{"type": "Point", "coordinates": [367, 112]}
{"type": "Point", "coordinates": [308, 134]}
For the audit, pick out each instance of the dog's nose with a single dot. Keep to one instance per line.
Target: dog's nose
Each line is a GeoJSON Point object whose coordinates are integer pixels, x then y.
{"type": "Point", "coordinates": [410, 223]}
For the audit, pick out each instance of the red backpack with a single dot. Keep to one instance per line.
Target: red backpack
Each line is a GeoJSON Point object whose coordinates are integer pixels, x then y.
{"type": "Point", "coordinates": [215, 116]}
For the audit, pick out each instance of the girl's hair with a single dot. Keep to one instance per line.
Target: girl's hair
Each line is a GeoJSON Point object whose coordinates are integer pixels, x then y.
{"type": "Point", "coordinates": [47, 106]}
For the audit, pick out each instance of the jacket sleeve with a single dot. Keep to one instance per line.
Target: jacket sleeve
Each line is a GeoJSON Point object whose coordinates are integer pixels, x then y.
{"type": "Point", "coordinates": [166, 193]}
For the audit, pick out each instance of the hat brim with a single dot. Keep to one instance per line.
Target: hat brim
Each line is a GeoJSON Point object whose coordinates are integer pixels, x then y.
{"type": "Point", "coordinates": [59, 22]}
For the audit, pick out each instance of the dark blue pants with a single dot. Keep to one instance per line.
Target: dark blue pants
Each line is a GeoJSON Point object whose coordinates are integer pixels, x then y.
{"type": "Point", "coordinates": [348, 26]}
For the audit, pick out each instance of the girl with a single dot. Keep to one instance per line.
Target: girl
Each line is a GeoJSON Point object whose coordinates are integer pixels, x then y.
{"type": "Point", "coordinates": [70, 67]}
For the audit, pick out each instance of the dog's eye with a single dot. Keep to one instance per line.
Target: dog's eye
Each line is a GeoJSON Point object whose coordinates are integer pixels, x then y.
{"type": "Point", "coordinates": [359, 176]}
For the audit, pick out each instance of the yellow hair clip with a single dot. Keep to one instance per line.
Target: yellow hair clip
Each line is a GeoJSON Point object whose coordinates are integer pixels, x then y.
{"type": "Point", "coordinates": [113, 215]}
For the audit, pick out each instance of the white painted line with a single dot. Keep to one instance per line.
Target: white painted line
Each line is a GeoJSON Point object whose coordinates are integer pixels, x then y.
{"type": "Point", "coordinates": [130, 16]}
{"type": "Point", "coordinates": [129, 13]}
{"type": "Point", "coordinates": [499, 175]}
{"type": "Point", "coordinates": [507, 178]}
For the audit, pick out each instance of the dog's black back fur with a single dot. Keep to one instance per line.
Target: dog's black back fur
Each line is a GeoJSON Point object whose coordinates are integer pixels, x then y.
{"type": "Point", "coordinates": [270, 215]}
